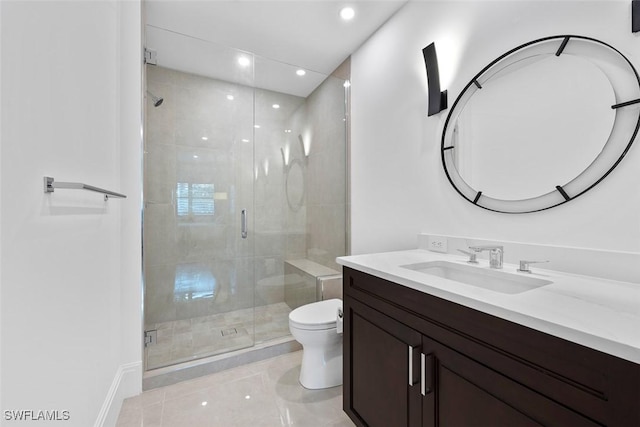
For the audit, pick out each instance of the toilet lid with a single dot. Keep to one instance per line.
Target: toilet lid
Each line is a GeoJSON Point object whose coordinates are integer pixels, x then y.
{"type": "Point", "coordinates": [317, 315]}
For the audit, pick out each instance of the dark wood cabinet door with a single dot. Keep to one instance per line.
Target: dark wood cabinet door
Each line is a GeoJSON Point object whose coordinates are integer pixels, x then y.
{"type": "Point", "coordinates": [381, 357]}
{"type": "Point", "coordinates": [463, 403]}
{"type": "Point", "coordinates": [471, 395]}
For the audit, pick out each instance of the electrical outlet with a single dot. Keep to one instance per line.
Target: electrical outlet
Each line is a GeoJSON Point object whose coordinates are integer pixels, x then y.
{"type": "Point", "coordinates": [437, 243]}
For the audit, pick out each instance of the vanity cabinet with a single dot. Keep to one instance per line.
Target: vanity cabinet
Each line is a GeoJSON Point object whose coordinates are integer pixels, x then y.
{"type": "Point", "coordinates": [412, 359]}
{"type": "Point", "coordinates": [384, 354]}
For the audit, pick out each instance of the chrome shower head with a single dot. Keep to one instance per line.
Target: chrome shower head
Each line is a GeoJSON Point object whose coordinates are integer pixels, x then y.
{"type": "Point", "coordinates": [157, 101]}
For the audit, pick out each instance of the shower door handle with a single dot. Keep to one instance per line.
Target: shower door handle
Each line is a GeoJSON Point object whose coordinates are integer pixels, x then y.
{"type": "Point", "coordinates": [243, 223]}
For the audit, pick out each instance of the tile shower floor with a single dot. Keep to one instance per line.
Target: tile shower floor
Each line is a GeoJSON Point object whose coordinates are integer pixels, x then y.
{"type": "Point", "coordinates": [265, 393]}
{"type": "Point", "coordinates": [184, 340]}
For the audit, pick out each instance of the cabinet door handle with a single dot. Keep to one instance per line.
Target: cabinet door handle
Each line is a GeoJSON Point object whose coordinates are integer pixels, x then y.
{"type": "Point", "coordinates": [426, 367]}
{"type": "Point", "coordinates": [411, 351]}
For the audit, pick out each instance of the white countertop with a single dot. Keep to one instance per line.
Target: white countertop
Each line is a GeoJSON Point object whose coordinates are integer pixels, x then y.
{"type": "Point", "coordinates": [594, 312]}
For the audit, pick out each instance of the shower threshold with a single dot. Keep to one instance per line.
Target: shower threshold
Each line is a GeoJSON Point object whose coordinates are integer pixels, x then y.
{"type": "Point", "coordinates": [210, 365]}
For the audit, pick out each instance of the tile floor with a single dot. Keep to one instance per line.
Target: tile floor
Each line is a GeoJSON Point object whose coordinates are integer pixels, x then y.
{"type": "Point", "coordinates": [265, 393]}
{"type": "Point", "coordinates": [184, 340]}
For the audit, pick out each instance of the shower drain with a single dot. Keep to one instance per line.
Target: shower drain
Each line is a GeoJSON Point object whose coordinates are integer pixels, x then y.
{"type": "Point", "coordinates": [231, 331]}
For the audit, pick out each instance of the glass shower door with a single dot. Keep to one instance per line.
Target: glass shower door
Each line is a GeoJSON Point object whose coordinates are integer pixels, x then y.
{"type": "Point", "coordinates": [198, 181]}
{"type": "Point", "coordinates": [300, 190]}
{"type": "Point", "coordinates": [236, 132]}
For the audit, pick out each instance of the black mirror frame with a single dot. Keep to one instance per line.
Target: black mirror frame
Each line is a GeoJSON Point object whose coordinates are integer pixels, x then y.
{"type": "Point", "coordinates": [476, 198]}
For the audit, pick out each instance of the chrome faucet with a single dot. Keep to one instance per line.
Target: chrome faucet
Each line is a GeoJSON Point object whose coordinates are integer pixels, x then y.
{"type": "Point", "coordinates": [495, 254]}
{"type": "Point", "coordinates": [524, 265]}
{"type": "Point", "coordinates": [472, 256]}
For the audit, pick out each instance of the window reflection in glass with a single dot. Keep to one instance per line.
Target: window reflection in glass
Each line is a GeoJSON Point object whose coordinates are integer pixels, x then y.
{"type": "Point", "coordinates": [194, 199]}
{"type": "Point", "coordinates": [194, 281]}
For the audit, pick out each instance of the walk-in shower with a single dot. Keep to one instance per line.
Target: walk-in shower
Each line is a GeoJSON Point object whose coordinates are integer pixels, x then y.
{"type": "Point", "coordinates": [244, 188]}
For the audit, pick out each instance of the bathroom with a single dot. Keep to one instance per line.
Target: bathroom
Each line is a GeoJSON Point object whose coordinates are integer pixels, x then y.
{"type": "Point", "coordinates": [71, 264]}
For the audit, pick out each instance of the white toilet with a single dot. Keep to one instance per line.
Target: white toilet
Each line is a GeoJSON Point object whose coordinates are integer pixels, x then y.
{"type": "Point", "coordinates": [314, 326]}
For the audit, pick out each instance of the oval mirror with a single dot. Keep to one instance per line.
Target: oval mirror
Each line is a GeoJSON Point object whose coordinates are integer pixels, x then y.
{"type": "Point", "coordinates": [542, 124]}
{"type": "Point", "coordinates": [294, 185]}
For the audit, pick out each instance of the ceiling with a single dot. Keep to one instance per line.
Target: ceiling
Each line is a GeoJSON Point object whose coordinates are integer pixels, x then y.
{"type": "Point", "coordinates": [281, 36]}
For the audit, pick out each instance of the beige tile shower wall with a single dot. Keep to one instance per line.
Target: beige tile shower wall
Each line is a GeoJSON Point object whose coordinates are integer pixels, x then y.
{"type": "Point", "coordinates": [326, 183]}
{"type": "Point", "coordinates": [270, 213]}
{"type": "Point", "coordinates": [295, 187]}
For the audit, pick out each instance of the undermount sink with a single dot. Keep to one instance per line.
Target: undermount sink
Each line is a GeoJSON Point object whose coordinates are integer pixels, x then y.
{"type": "Point", "coordinates": [493, 280]}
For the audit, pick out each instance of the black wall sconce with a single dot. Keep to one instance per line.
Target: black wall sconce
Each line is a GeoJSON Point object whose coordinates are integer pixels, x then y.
{"type": "Point", "coordinates": [437, 99]}
{"type": "Point", "coordinates": [635, 16]}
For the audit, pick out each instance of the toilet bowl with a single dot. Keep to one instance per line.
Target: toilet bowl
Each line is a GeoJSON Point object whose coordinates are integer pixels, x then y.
{"type": "Point", "coordinates": [314, 326]}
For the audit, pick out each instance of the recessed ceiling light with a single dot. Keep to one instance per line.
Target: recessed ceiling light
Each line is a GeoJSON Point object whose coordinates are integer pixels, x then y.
{"type": "Point", "coordinates": [347, 13]}
{"type": "Point", "coordinates": [195, 156]}
{"type": "Point", "coordinates": [301, 72]}
{"type": "Point", "coordinates": [204, 138]}
{"type": "Point", "coordinates": [276, 106]}
{"type": "Point", "coordinates": [244, 61]}
{"type": "Point", "coordinates": [256, 126]}
{"type": "Point", "coordinates": [230, 97]}
{"type": "Point", "coordinates": [245, 140]}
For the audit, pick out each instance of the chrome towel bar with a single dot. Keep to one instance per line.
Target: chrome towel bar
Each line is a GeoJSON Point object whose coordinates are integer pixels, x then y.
{"type": "Point", "coordinates": [50, 186]}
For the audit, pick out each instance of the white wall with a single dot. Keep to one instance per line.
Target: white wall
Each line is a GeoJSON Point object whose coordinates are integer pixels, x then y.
{"type": "Point", "coordinates": [70, 279]}
{"type": "Point", "coordinates": [399, 188]}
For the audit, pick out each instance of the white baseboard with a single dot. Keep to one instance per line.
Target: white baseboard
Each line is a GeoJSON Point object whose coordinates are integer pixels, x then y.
{"type": "Point", "coordinates": [126, 383]}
